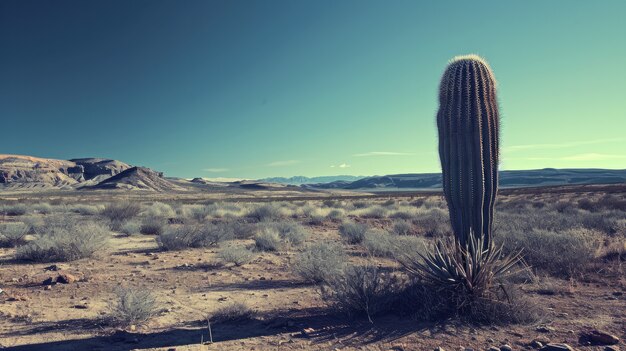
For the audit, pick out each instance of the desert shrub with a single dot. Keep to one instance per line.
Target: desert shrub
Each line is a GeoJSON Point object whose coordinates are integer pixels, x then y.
{"type": "Point", "coordinates": [243, 230]}
{"type": "Point", "coordinates": [358, 290]}
{"type": "Point", "coordinates": [152, 226]}
{"type": "Point", "coordinates": [68, 242]}
{"type": "Point", "coordinates": [375, 212]}
{"type": "Point", "coordinates": [14, 210]}
{"type": "Point", "coordinates": [319, 262]}
{"type": "Point", "coordinates": [563, 206]}
{"type": "Point", "coordinates": [336, 215]}
{"type": "Point", "coordinates": [235, 312]}
{"type": "Point", "coordinates": [379, 243]}
{"type": "Point", "coordinates": [236, 254]}
{"type": "Point", "coordinates": [402, 227]}
{"type": "Point", "coordinates": [267, 239]}
{"type": "Point", "coordinates": [291, 232]}
{"type": "Point", "coordinates": [360, 204]}
{"type": "Point", "coordinates": [13, 234]}
{"type": "Point", "coordinates": [606, 221]}
{"type": "Point", "coordinates": [133, 306]}
{"type": "Point", "coordinates": [317, 219]}
{"type": "Point", "coordinates": [433, 223]}
{"type": "Point", "coordinates": [121, 211]}
{"type": "Point", "coordinates": [159, 209]}
{"type": "Point", "coordinates": [403, 213]}
{"type": "Point", "coordinates": [86, 210]}
{"type": "Point", "coordinates": [588, 205]}
{"type": "Point", "coordinates": [266, 212]}
{"type": "Point", "coordinates": [612, 202]}
{"type": "Point", "coordinates": [352, 232]}
{"type": "Point", "coordinates": [43, 208]}
{"type": "Point", "coordinates": [195, 212]}
{"type": "Point", "coordinates": [178, 237]}
{"type": "Point", "coordinates": [131, 227]}
{"type": "Point", "coordinates": [389, 203]}
{"type": "Point", "coordinates": [560, 253]}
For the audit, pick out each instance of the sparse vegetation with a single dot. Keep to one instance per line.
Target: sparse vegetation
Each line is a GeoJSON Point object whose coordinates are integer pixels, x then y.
{"type": "Point", "coordinates": [68, 242]}
{"type": "Point", "coordinates": [319, 262]}
{"type": "Point", "coordinates": [13, 234]}
{"type": "Point", "coordinates": [267, 239]}
{"type": "Point", "coordinates": [120, 212]}
{"type": "Point", "coordinates": [152, 226]}
{"type": "Point", "coordinates": [234, 312]}
{"type": "Point", "coordinates": [178, 237]}
{"type": "Point", "coordinates": [236, 254]}
{"type": "Point", "coordinates": [133, 306]}
{"type": "Point", "coordinates": [352, 232]}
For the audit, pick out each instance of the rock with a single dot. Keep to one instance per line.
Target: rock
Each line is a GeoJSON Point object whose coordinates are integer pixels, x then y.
{"type": "Point", "coordinates": [536, 344]}
{"type": "Point", "coordinates": [81, 306]}
{"type": "Point", "coordinates": [598, 337]}
{"type": "Point", "coordinates": [493, 348]}
{"type": "Point", "coordinates": [132, 327]}
{"type": "Point", "coordinates": [307, 332]}
{"type": "Point", "coordinates": [439, 349]}
{"type": "Point", "coordinates": [66, 278]}
{"type": "Point", "coordinates": [611, 348]}
{"type": "Point", "coordinates": [557, 347]}
{"type": "Point", "coordinates": [49, 281]}
{"type": "Point", "coordinates": [506, 347]}
{"type": "Point", "coordinates": [53, 268]}
{"type": "Point", "coordinates": [48, 287]}
{"type": "Point", "coordinates": [544, 329]}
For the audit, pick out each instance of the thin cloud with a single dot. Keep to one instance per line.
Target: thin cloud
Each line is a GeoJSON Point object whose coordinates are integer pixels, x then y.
{"type": "Point", "coordinates": [382, 153]}
{"type": "Point", "coordinates": [593, 157]}
{"type": "Point", "coordinates": [343, 165]}
{"type": "Point", "coordinates": [578, 157]}
{"type": "Point", "coordinates": [282, 163]}
{"type": "Point", "coordinates": [560, 145]}
{"type": "Point", "coordinates": [216, 170]}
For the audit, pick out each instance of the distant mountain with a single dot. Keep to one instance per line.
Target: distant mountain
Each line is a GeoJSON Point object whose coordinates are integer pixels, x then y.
{"type": "Point", "coordinates": [299, 180]}
{"type": "Point", "coordinates": [138, 178]}
{"type": "Point", "coordinates": [510, 179]}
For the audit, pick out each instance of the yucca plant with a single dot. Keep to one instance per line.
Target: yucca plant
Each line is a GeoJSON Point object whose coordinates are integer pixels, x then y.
{"type": "Point", "coordinates": [468, 271]}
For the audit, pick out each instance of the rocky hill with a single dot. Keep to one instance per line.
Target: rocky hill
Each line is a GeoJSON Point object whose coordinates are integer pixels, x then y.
{"type": "Point", "coordinates": [138, 178]}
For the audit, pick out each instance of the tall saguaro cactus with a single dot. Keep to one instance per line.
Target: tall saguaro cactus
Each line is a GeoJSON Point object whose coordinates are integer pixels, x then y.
{"type": "Point", "coordinates": [468, 123]}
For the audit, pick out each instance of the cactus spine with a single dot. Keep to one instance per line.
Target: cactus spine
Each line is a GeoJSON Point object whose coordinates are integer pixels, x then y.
{"type": "Point", "coordinates": [468, 124]}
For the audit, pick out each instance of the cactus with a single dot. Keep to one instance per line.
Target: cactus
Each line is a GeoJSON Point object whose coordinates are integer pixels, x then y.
{"type": "Point", "coordinates": [468, 124]}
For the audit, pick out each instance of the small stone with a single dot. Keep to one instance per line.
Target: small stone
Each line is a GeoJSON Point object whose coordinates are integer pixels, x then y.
{"type": "Point", "coordinates": [493, 348]}
{"type": "Point", "coordinates": [439, 349]}
{"type": "Point", "coordinates": [536, 344]}
{"type": "Point", "coordinates": [490, 340]}
{"type": "Point", "coordinates": [307, 332]}
{"type": "Point", "coordinates": [506, 347]}
{"type": "Point", "coordinates": [49, 281]}
{"type": "Point", "coordinates": [133, 327]}
{"type": "Point", "coordinates": [81, 306]}
{"type": "Point", "coordinates": [66, 278]}
{"type": "Point", "coordinates": [557, 347]}
{"type": "Point", "coordinates": [48, 287]}
{"type": "Point", "coordinates": [544, 329]}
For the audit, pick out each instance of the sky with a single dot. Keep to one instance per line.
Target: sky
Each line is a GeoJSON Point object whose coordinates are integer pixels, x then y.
{"type": "Point", "coordinates": [260, 88]}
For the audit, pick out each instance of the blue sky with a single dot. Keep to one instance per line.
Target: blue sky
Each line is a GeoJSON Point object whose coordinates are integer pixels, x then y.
{"type": "Point", "coordinates": [279, 88]}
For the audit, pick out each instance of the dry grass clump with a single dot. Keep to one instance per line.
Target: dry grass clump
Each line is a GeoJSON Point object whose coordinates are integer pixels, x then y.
{"type": "Point", "coordinates": [236, 254]}
{"type": "Point", "coordinates": [159, 209]}
{"type": "Point", "coordinates": [235, 312]}
{"type": "Point", "coordinates": [14, 210]}
{"type": "Point", "coordinates": [152, 226]}
{"type": "Point", "coordinates": [85, 210]}
{"type": "Point", "coordinates": [318, 262]}
{"type": "Point", "coordinates": [133, 306]}
{"type": "Point", "coordinates": [379, 243]}
{"type": "Point", "coordinates": [266, 212]}
{"type": "Point", "coordinates": [291, 232]}
{"type": "Point", "coordinates": [130, 228]}
{"type": "Point", "coordinates": [375, 211]}
{"type": "Point", "coordinates": [268, 239]}
{"type": "Point", "coordinates": [433, 223]}
{"type": "Point", "coordinates": [360, 290]}
{"type": "Point", "coordinates": [564, 253]}
{"type": "Point", "coordinates": [121, 211]}
{"type": "Point", "coordinates": [65, 242]}
{"type": "Point", "coordinates": [179, 237]}
{"type": "Point", "coordinates": [403, 227]}
{"type": "Point", "coordinates": [13, 234]}
{"type": "Point", "coordinates": [352, 232]}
